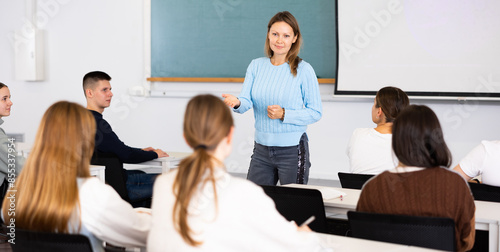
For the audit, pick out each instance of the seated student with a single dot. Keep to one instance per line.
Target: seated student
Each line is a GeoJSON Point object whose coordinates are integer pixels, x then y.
{"type": "Point", "coordinates": [422, 185]}
{"type": "Point", "coordinates": [369, 150]}
{"type": "Point", "coordinates": [483, 160]}
{"type": "Point", "coordinates": [10, 165]}
{"type": "Point", "coordinates": [200, 207]}
{"type": "Point", "coordinates": [55, 192]}
{"type": "Point", "coordinates": [98, 93]}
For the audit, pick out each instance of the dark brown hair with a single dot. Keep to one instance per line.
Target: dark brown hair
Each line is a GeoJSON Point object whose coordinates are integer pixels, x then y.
{"type": "Point", "coordinates": [2, 85]}
{"type": "Point", "coordinates": [292, 56]}
{"type": "Point", "coordinates": [207, 121]}
{"type": "Point", "coordinates": [392, 100]}
{"type": "Point", "coordinates": [90, 80]}
{"type": "Point", "coordinates": [417, 138]}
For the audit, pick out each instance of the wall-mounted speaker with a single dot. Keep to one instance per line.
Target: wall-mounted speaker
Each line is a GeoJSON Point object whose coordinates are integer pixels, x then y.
{"type": "Point", "coordinates": [29, 56]}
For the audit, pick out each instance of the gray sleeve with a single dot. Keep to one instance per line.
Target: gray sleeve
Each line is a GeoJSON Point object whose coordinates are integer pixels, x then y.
{"type": "Point", "coordinates": [15, 160]}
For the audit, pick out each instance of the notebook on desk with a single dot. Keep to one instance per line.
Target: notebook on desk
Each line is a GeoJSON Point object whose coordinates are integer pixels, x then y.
{"type": "Point", "coordinates": [326, 192]}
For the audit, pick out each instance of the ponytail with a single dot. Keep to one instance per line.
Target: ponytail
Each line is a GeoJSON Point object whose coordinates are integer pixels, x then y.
{"type": "Point", "coordinates": [207, 121]}
{"type": "Point", "coordinates": [189, 175]}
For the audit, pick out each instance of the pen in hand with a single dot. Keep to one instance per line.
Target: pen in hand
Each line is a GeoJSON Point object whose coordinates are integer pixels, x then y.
{"type": "Point", "coordinates": [308, 221]}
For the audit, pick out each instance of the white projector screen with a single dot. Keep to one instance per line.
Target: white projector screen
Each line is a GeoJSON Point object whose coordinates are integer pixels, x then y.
{"type": "Point", "coordinates": [448, 48]}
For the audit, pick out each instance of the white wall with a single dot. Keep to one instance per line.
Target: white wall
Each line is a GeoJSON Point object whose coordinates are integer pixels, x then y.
{"type": "Point", "coordinates": [83, 36]}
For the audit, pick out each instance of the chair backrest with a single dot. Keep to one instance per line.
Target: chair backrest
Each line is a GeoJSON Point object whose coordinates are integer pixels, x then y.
{"type": "Point", "coordinates": [116, 177]}
{"type": "Point", "coordinates": [298, 204]}
{"type": "Point", "coordinates": [428, 232]}
{"type": "Point", "coordinates": [485, 192]}
{"type": "Point", "coordinates": [114, 172]}
{"type": "Point", "coordinates": [353, 180]}
{"type": "Point", "coordinates": [28, 241]}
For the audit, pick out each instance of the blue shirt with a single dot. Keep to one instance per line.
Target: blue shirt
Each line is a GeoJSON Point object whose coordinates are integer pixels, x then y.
{"type": "Point", "coordinates": [266, 84]}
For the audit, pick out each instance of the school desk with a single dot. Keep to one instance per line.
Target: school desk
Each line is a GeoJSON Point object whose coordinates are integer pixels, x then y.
{"type": "Point", "coordinates": [487, 213]}
{"type": "Point", "coordinates": [159, 165]}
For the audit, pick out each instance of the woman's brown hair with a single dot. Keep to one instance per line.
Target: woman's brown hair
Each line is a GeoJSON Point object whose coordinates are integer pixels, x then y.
{"type": "Point", "coordinates": [417, 138]}
{"type": "Point", "coordinates": [292, 56]}
{"type": "Point", "coordinates": [46, 191]}
{"type": "Point", "coordinates": [392, 100]}
{"type": "Point", "coordinates": [207, 121]}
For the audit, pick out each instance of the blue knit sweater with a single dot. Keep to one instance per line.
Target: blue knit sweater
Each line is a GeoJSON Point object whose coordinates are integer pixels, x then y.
{"type": "Point", "coordinates": [266, 84]}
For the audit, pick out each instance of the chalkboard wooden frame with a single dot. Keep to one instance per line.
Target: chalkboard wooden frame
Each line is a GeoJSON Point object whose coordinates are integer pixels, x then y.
{"type": "Point", "coordinates": [313, 17]}
{"type": "Point", "coordinates": [216, 79]}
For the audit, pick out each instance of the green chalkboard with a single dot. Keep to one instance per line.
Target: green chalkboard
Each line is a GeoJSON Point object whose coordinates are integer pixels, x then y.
{"type": "Point", "coordinates": [219, 38]}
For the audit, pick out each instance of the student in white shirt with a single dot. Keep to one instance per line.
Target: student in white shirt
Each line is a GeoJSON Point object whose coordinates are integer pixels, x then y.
{"type": "Point", "coordinates": [483, 160]}
{"type": "Point", "coordinates": [55, 192]}
{"type": "Point", "coordinates": [200, 207]}
{"type": "Point", "coordinates": [369, 149]}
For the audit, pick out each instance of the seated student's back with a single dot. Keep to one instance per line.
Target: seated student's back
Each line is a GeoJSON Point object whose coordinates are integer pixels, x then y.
{"type": "Point", "coordinates": [200, 207]}
{"type": "Point", "coordinates": [483, 160]}
{"type": "Point", "coordinates": [370, 152]}
{"type": "Point", "coordinates": [369, 149]}
{"type": "Point", "coordinates": [55, 192]}
{"type": "Point", "coordinates": [243, 219]}
{"type": "Point", "coordinates": [422, 185]}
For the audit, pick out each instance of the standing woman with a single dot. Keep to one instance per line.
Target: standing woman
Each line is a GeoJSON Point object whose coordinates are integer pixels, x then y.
{"type": "Point", "coordinates": [284, 93]}
{"type": "Point", "coordinates": [369, 149]}
{"type": "Point", "coordinates": [55, 192]}
{"type": "Point", "coordinates": [10, 162]}
{"type": "Point", "coordinates": [201, 207]}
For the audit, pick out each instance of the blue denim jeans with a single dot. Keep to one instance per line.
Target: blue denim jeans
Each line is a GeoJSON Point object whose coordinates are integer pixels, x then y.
{"type": "Point", "coordinates": [140, 184]}
{"type": "Point", "coordinates": [287, 164]}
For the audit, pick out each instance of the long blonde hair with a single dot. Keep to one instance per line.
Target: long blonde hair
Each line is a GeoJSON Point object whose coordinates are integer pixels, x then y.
{"type": "Point", "coordinates": [207, 121]}
{"type": "Point", "coordinates": [292, 56]}
{"type": "Point", "coordinates": [47, 192]}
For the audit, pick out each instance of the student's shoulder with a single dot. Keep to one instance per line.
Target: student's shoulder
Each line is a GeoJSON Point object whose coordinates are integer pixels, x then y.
{"type": "Point", "coordinates": [95, 188]}
{"type": "Point", "coordinates": [240, 185]}
{"type": "Point", "coordinates": [454, 181]}
{"type": "Point", "coordinates": [98, 117]}
{"type": "Point", "coordinates": [95, 113]}
{"type": "Point", "coordinates": [363, 131]}
{"type": "Point", "coordinates": [448, 175]}
{"type": "Point", "coordinates": [166, 178]}
{"type": "Point", "coordinates": [378, 178]}
{"type": "Point", "coordinates": [90, 182]}
{"type": "Point", "coordinates": [491, 145]}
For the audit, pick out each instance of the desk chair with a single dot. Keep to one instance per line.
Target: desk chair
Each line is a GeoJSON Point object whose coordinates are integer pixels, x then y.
{"type": "Point", "coordinates": [485, 192]}
{"type": "Point", "coordinates": [3, 229]}
{"type": "Point", "coordinates": [28, 241]}
{"type": "Point", "coordinates": [428, 232]}
{"type": "Point", "coordinates": [299, 204]}
{"type": "Point", "coordinates": [116, 176]}
{"type": "Point", "coordinates": [353, 180]}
